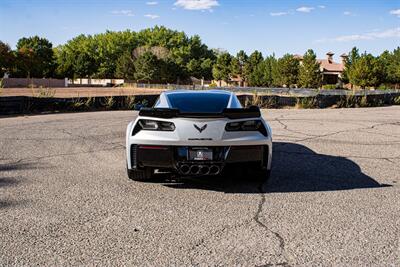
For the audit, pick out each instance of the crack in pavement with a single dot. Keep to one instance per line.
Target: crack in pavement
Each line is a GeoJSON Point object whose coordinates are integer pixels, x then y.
{"type": "Point", "coordinates": [344, 131]}
{"type": "Point", "coordinates": [285, 127]}
{"type": "Point", "coordinates": [29, 159]}
{"type": "Point", "coordinates": [256, 218]}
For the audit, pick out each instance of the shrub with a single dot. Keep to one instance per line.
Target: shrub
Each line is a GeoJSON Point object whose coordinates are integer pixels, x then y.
{"type": "Point", "coordinates": [270, 102]}
{"type": "Point", "coordinates": [329, 86]}
{"type": "Point", "coordinates": [306, 102]}
{"type": "Point", "coordinates": [212, 85]}
{"type": "Point", "coordinates": [396, 100]}
{"type": "Point", "coordinates": [254, 100]}
{"type": "Point", "coordinates": [77, 104]}
{"type": "Point", "coordinates": [364, 102]}
{"type": "Point", "coordinates": [45, 92]}
{"type": "Point", "coordinates": [130, 102]}
{"type": "Point", "coordinates": [110, 101]}
{"type": "Point", "coordinates": [88, 103]}
{"type": "Point", "coordinates": [385, 87]}
{"type": "Point", "coordinates": [345, 100]}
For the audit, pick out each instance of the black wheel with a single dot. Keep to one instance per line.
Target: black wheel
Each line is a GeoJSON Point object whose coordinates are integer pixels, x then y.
{"type": "Point", "coordinates": [141, 175]}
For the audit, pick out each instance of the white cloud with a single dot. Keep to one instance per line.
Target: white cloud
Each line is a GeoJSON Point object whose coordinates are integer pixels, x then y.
{"type": "Point", "coordinates": [277, 14]}
{"type": "Point", "coordinates": [395, 12]}
{"type": "Point", "coordinates": [347, 13]}
{"type": "Point", "coordinates": [373, 35]}
{"type": "Point", "coordinates": [322, 7]}
{"type": "Point", "coordinates": [152, 16]}
{"type": "Point", "coordinates": [124, 12]}
{"type": "Point", "coordinates": [196, 4]}
{"type": "Point", "coordinates": [152, 3]}
{"type": "Point", "coordinates": [305, 9]}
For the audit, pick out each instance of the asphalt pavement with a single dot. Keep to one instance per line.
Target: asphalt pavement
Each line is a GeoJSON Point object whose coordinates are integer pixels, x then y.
{"type": "Point", "coordinates": [333, 198]}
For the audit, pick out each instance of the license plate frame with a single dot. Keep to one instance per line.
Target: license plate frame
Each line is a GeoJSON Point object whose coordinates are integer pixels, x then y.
{"type": "Point", "coordinates": [200, 154]}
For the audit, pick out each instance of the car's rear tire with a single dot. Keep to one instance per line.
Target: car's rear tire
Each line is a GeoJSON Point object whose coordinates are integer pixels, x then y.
{"type": "Point", "coordinates": [141, 175]}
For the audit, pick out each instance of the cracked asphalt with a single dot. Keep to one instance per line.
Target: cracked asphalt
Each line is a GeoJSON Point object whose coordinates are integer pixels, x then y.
{"type": "Point", "coordinates": [333, 198]}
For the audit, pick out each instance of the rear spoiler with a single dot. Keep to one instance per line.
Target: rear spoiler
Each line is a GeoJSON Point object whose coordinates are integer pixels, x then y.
{"type": "Point", "coordinates": [231, 113]}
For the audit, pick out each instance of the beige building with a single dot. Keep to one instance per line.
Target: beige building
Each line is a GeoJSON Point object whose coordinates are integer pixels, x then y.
{"type": "Point", "coordinates": [331, 70]}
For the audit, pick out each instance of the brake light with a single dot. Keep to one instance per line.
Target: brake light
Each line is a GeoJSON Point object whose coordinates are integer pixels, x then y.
{"type": "Point", "coordinates": [250, 125]}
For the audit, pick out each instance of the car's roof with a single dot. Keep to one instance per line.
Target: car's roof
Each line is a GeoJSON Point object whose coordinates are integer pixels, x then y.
{"type": "Point", "coordinates": [166, 97]}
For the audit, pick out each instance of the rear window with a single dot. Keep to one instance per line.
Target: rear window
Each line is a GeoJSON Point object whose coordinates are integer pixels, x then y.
{"type": "Point", "coordinates": [199, 102]}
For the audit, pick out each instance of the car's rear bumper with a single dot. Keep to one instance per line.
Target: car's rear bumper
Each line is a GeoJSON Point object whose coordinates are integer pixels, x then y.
{"type": "Point", "coordinates": [175, 157]}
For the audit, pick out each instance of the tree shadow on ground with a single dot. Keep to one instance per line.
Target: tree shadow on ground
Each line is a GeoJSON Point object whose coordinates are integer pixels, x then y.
{"type": "Point", "coordinates": [9, 180]}
{"type": "Point", "coordinates": [296, 168]}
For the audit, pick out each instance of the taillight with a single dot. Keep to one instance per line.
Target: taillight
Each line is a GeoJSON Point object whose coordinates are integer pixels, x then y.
{"type": "Point", "coordinates": [152, 125]}
{"type": "Point", "coordinates": [250, 125]}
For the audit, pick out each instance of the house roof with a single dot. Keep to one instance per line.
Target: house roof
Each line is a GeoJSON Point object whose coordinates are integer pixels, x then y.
{"type": "Point", "coordinates": [297, 56]}
{"type": "Point", "coordinates": [327, 65]}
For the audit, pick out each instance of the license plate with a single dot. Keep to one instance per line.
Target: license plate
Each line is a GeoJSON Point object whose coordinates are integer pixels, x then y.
{"type": "Point", "coordinates": [200, 154]}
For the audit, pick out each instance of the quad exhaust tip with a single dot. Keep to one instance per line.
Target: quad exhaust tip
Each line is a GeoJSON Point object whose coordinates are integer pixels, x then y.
{"type": "Point", "coordinates": [185, 169]}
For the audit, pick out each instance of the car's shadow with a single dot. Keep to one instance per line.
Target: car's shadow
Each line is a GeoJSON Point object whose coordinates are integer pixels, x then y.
{"type": "Point", "coordinates": [296, 168]}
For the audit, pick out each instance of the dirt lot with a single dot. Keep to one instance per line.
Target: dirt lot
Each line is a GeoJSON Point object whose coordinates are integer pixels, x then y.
{"type": "Point", "coordinates": [79, 91]}
{"type": "Point", "coordinates": [333, 198]}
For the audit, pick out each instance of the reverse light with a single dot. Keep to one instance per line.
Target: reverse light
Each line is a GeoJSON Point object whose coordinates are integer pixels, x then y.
{"type": "Point", "coordinates": [250, 125]}
{"type": "Point", "coordinates": [152, 125]}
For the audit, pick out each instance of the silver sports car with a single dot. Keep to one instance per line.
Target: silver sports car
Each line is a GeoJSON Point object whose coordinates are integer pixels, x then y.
{"type": "Point", "coordinates": [193, 133]}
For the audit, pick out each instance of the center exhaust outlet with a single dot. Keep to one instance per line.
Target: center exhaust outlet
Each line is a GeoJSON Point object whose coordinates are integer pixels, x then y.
{"type": "Point", "coordinates": [195, 169]}
{"type": "Point", "coordinates": [204, 170]}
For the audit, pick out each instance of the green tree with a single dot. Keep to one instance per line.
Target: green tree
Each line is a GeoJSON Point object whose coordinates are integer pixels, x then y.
{"type": "Point", "coordinates": [251, 63]}
{"type": "Point", "coordinates": [222, 68]}
{"type": "Point", "coordinates": [353, 56]}
{"type": "Point", "coordinates": [366, 71]}
{"type": "Point", "coordinates": [6, 58]}
{"type": "Point", "coordinates": [125, 66]}
{"type": "Point", "coordinates": [35, 57]}
{"type": "Point", "coordinates": [184, 56]}
{"type": "Point", "coordinates": [391, 63]}
{"type": "Point", "coordinates": [238, 63]}
{"type": "Point", "coordinates": [288, 69]}
{"type": "Point", "coordinates": [147, 68]}
{"type": "Point", "coordinates": [85, 65]}
{"type": "Point", "coordinates": [309, 72]}
{"type": "Point", "coordinates": [26, 60]}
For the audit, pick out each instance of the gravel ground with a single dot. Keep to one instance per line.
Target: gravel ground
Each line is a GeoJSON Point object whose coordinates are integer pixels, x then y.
{"type": "Point", "coordinates": [333, 198]}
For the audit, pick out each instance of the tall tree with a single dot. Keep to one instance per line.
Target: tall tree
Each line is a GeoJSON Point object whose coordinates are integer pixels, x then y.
{"type": "Point", "coordinates": [353, 56]}
{"type": "Point", "coordinates": [288, 68]}
{"type": "Point", "coordinates": [147, 68]}
{"type": "Point", "coordinates": [35, 56]}
{"type": "Point", "coordinates": [367, 71]}
{"type": "Point", "coordinates": [125, 66]}
{"type": "Point", "coordinates": [238, 63]}
{"type": "Point", "coordinates": [6, 58]}
{"type": "Point", "coordinates": [309, 72]}
{"type": "Point", "coordinates": [391, 63]}
{"type": "Point", "coordinates": [222, 68]}
{"type": "Point", "coordinates": [254, 59]}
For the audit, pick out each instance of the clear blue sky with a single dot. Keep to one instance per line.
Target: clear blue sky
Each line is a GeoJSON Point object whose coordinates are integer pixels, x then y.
{"type": "Point", "coordinates": [266, 25]}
